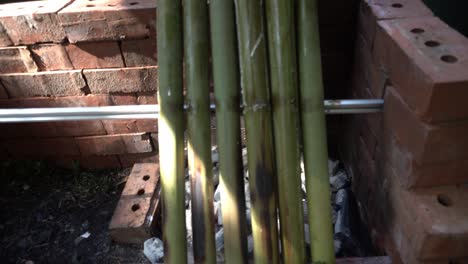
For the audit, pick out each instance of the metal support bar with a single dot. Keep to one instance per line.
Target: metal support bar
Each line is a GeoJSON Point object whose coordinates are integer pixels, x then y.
{"type": "Point", "coordinates": [23, 115]}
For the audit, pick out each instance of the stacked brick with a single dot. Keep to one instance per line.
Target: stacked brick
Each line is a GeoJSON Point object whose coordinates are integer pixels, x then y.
{"type": "Point", "coordinates": [409, 163]}
{"type": "Point", "coordinates": [103, 52]}
{"type": "Point", "coordinates": [79, 53]}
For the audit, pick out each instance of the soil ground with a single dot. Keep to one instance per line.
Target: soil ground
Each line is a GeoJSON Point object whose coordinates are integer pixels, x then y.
{"type": "Point", "coordinates": [44, 210]}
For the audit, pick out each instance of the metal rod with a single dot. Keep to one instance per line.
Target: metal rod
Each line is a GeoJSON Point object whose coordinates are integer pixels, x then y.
{"type": "Point", "coordinates": [24, 115]}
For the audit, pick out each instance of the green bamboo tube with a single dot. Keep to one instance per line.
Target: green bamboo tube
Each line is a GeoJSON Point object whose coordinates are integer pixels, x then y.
{"type": "Point", "coordinates": [227, 93]}
{"type": "Point", "coordinates": [257, 117]}
{"type": "Point", "coordinates": [171, 129]}
{"type": "Point", "coordinates": [314, 131]}
{"type": "Point", "coordinates": [196, 47]}
{"type": "Point", "coordinates": [286, 123]}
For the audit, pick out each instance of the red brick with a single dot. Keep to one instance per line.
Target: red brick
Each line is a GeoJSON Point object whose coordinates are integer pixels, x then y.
{"type": "Point", "coordinates": [4, 38]}
{"type": "Point", "coordinates": [414, 175]}
{"type": "Point", "coordinates": [374, 75]}
{"type": "Point", "coordinates": [114, 144]}
{"type": "Point", "coordinates": [371, 11]}
{"type": "Point", "coordinates": [147, 98]}
{"type": "Point", "coordinates": [42, 147]}
{"type": "Point", "coordinates": [92, 55]}
{"type": "Point", "coordinates": [54, 83]}
{"type": "Point", "coordinates": [23, 130]}
{"type": "Point", "coordinates": [434, 89]}
{"type": "Point", "coordinates": [101, 145]}
{"type": "Point", "coordinates": [108, 20]}
{"type": "Point", "coordinates": [141, 52]}
{"type": "Point", "coordinates": [124, 99]}
{"type": "Point", "coordinates": [33, 22]}
{"type": "Point", "coordinates": [434, 220]}
{"type": "Point", "coordinates": [138, 209]}
{"type": "Point", "coordinates": [128, 80]}
{"type": "Point", "coordinates": [147, 125]}
{"type": "Point", "coordinates": [120, 126]}
{"type": "Point", "coordinates": [99, 162]}
{"type": "Point", "coordinates": [80, 128]}
{"type": "Point", "coordinates": [67, 101]}
{"type": "Point", "coordinates": [51, 57]}
{"type": "Point", "coordinates": [16, 60]}
{"type": "Point", "coordinates": [137, 143]}
{"type": "Point", "coordinates": [427, 143]}
{"type": "Point", "coordinates": [128, 160]}
{"type": "Point", "coordinates": [3, 93]}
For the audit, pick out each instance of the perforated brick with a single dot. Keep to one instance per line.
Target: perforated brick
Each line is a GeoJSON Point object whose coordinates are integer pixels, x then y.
{"type": "Point", "coordinates": [137, 211]}
{"type": "Point", "coordinates": [427, 61]}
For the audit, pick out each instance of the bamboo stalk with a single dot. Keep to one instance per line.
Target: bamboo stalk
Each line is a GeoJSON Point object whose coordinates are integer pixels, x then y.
{"type": "Point", "coordinates": [171, 129]}
{"type": "Point", "coordinates": [227, 92]}
{"type": "Point", "coordinates": [284, 92]}
{"type": "Point", "coordinates": [314, 131]}
{"type": "Point", "coordinates": [196, 37]}
{"type": "Point", "coordinates": [257, 117]}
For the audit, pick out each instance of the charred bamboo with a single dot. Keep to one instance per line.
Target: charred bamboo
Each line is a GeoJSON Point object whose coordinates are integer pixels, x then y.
{"type": "Point", "coordinates": [286, 122]}
{"type": "Point", "coordinates": [314, 134]}
{"type": "Point", "coordinates": [196, 47]}
{"type": "Point", "coordinates": [227, 96]}
{"type": "Point", "coordinates": [171, 129]}
{"type": "Point", "coordinates": [257, 116]}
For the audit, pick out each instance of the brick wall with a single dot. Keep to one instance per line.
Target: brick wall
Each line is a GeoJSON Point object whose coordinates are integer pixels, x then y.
{"type": "Point", "coordinates": [409, 163]}
{"type": "Point", "coordinates": [69, 53]}
{"type": "Point", "coordinates": [77, 54]}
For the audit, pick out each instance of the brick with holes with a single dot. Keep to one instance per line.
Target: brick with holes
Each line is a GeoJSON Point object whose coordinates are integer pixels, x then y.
{"type": "Point", "coordinates": [138, 209]}
{"type": "Point", "coordinates": [427, 61]}
{"type": "Point", "coordinates": [371, 11]}
{"type": "Point", "coordinates": [433, 220]}
{"type": "Point", "coordinates": [109, 20]}
{"type": "Point", "coordinates": [31, 22]}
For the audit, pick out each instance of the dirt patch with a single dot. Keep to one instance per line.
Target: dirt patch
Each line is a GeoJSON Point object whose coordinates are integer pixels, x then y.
{"type": "Point", "coordinates": [44, 211]}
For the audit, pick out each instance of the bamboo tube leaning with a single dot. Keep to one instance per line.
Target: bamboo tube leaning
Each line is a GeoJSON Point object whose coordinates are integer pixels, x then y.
{"type": "Point", "coordinates": [257, 116]}
{"type": "Point", "coordinates": [284, 93]}
{"type": "Point", "coordinates": [314, 135]}
{"type": "Point", "coordinates": [171, 129]}
{"type": "Point", "coordinates": [227, 97]}
{"type": "Point", "coordinates": [196, 47]}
